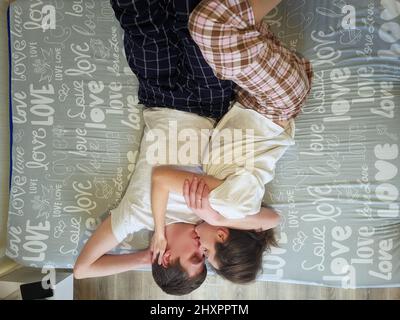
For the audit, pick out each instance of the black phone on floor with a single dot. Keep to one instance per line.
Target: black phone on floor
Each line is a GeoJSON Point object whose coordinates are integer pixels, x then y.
{"type": "Point", "coordinates": [35, 290]}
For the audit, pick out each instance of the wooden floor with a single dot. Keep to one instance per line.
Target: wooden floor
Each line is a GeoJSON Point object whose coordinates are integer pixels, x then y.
{"type": "Point", "coordinates": [140, 285]}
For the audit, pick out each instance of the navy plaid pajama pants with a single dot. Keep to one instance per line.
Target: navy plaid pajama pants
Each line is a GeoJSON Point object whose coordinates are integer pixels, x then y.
{"type": "Point", "coordinates": [169, 65]}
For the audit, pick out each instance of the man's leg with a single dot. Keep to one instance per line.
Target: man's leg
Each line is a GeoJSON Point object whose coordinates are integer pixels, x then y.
{"type": "Point", "coordinates": [148, 47]}
{"type": "Point", "coordinates": [156, 42]}
{"type": "Point", "coordinates": [213, 95]}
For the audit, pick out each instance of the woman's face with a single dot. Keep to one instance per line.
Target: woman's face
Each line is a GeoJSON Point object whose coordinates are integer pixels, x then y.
{"type": "Point", "coordinates": [209, 236]}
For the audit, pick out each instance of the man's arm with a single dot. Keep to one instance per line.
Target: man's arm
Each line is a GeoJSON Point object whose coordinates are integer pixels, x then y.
{"type": "Point", "coordinates": [94, 262]}
{"type": "Point", "coordinates": [167, 179]}
{"type": "Point", "coordinates": [173, 179]}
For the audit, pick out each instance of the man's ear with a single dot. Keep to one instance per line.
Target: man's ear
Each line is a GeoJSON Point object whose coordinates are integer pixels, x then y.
{"type": "Point", "coordinates": [166, 259]}
{"type": "Point", "coordinates": [222, 234]}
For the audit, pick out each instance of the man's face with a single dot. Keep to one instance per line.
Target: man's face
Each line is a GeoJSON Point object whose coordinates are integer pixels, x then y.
{"type": "Point", "coordinates": [183, 244]}
{"type": "Point", "coordinates": [209, 236]}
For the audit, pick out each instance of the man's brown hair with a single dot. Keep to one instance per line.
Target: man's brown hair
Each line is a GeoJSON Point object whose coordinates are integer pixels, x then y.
{"type": "Point", "coordinates": [175, 280]}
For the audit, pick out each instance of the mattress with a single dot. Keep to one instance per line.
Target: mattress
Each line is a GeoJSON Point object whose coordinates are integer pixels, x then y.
{"type": "Point", "coordinates": [76, 128]}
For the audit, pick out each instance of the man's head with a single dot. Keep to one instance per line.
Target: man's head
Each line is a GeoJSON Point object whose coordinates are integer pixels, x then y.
{"type": "Point", "coordinates": [235, 254]}
{"type": "Point", "coordinates": [182, 269]}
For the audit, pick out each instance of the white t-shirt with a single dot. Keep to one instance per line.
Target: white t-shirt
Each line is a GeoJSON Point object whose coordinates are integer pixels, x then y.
{"type": "Point", "coordinates": [243, 189]}
{"type": "Point", "coordinates": [262, 146]}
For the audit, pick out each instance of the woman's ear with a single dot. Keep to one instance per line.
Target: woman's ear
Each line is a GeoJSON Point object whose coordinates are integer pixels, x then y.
{"type": "Point", "coordinates": [222, 234]}
{"type": "Point", "coordinates": [166, 258]}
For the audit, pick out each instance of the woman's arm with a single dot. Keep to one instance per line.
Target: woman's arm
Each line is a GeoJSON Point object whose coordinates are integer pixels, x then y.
{"type": "Point", "coordinates": [166, 179]}
{"type": "Point", "coordinates": [196, 197]}
{"type": "Point", "coordinates": [94, 262]}
{"type": "Point", "coordinates": [264, 220]}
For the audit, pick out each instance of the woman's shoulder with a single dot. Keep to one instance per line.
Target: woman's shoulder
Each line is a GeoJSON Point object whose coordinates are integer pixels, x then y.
{"type": "Point", "coordinates": [239, 195]}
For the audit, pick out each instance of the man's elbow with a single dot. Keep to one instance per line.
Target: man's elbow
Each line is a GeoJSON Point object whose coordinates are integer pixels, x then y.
{"type": "Point", "coordinates": [157, 173]}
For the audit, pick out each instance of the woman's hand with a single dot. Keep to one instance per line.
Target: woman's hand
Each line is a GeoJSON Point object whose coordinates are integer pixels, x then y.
{"type": "Point", "coordinates": [196, 197]}
{"type": "Point", "coordinates": [158, 246]}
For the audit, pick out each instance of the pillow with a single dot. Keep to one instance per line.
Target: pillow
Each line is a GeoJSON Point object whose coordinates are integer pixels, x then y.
{"type": "Point", "coordinates": [175, 137]}
{"type": "Point", "coordinates": [170, 137]}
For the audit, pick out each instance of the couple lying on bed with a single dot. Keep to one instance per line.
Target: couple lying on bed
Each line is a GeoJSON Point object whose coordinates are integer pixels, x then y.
{"type": "Point", "coordinates": [187, 70]}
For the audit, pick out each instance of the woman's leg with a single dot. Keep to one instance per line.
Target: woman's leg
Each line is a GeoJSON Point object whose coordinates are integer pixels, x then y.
{"type": "Point", "coordinates": [271, 79]}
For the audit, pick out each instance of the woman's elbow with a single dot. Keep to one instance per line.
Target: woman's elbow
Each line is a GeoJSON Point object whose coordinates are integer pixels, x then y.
{"type": "Point", "coordinates": [276, 220]}
{"type": "Point", "coordinates": [271, 218]}
{"type": "Point", "coordinates": [79, 272]}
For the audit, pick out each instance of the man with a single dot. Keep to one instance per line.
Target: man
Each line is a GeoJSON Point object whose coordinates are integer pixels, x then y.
{"type": "Point", "coordinates": [183, 247]}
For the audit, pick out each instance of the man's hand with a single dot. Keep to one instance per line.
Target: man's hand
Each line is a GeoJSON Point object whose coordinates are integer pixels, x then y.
{"type": "Point", "coordinates": [158, 246]}
{"type": "Point", "coordinates": [196, 196]}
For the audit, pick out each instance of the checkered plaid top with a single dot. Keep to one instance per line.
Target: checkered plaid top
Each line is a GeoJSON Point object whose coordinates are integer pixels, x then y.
{"type": "Point", "coordinates": [271, 79]}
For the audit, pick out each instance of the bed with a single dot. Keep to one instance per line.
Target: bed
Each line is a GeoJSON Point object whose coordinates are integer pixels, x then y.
{"type": "Point", "coordinates": [76, 128]}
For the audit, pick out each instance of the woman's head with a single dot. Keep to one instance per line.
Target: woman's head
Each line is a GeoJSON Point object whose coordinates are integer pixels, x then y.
{"type": "Point", "coordinates": [235, 254]}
